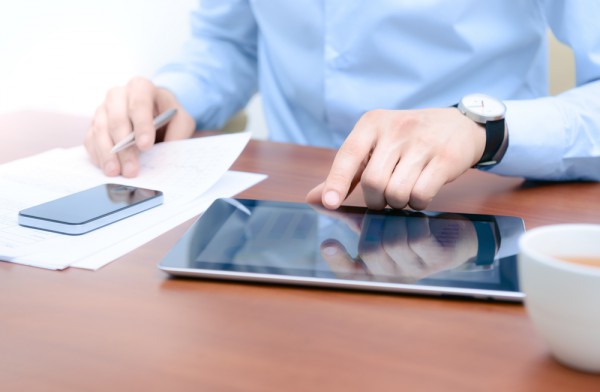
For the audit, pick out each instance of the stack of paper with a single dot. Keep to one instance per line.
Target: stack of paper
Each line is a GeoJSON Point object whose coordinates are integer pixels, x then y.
{"type": "Point", "coordinates": [191, 174]}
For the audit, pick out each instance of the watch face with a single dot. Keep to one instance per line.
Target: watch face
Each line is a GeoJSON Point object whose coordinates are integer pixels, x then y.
{"type": "Point", "coordinates": [484, 106]}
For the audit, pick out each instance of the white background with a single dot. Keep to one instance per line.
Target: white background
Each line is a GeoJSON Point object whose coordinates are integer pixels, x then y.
{"type": "Point", "coordinates": [63, 55]}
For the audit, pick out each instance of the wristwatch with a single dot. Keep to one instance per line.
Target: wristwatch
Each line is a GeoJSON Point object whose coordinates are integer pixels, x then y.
{"type": "Point", "coordinates": [490, 112]}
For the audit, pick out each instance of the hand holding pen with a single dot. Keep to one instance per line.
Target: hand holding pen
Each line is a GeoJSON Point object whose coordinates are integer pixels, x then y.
{"type": "Point", "coordinates": [126, 119]}
{"type": "Point", "coordinates": [159, 121]}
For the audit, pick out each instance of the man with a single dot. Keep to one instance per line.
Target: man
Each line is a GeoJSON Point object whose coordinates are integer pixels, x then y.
{"type": "Point", "coordinates": [378, 79]}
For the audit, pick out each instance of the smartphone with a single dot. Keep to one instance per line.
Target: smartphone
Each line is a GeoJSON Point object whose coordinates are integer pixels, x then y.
{"type": "Point", "coordinates": [88, 210]}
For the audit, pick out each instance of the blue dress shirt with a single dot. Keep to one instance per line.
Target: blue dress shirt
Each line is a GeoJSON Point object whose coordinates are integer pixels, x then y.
{"type": "Point", "coordinates": [320, 64]}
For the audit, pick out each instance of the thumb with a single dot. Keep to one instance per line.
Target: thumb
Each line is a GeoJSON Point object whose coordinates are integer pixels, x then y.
{"type": "Point", "coordinates": [330, 199]}
{"type": "Point", "coordinates": [314, 196]}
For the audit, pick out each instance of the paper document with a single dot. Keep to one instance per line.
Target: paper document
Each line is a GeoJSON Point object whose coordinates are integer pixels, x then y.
{"type": "Point", "coordinates": [191, 173]}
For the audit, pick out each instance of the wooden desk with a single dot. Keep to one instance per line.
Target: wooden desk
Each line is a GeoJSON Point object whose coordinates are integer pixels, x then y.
{"type": "Point", "coordinates": [130, 327]}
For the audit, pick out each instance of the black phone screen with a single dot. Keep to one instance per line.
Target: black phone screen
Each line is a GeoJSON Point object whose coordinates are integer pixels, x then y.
{"type": "Point", "coordinates": [90, 209]}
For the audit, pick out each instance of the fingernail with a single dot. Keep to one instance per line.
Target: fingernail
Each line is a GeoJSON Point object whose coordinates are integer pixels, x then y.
{"type": "Point", "coordinates": [331, 198]}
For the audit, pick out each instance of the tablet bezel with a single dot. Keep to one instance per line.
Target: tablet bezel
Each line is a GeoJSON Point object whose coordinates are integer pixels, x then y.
{"type": "Point", "coordinates": [172, 267]}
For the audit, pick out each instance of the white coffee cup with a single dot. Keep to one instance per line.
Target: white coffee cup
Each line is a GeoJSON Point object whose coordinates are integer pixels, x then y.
{"type": "Point", "coordinates": [562, 297]}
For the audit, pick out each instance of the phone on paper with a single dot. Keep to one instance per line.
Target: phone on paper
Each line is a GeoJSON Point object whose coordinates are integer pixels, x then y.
{"type": "Point", "coordinates": [88, 210]}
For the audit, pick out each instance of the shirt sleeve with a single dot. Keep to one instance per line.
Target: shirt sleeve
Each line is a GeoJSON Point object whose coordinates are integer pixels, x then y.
{"type": "Point", "coordinates": [216, 72]}
{"type": "Point", "coordinates": [558, 138]}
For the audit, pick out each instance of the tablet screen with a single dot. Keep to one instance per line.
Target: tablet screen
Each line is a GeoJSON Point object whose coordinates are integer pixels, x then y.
{"type": "Point", "coordinates": [352, 244]}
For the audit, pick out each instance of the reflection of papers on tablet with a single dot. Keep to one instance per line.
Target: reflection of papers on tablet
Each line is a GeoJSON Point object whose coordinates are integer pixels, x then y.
{"type": "Point", "coordinates": [191, 173]}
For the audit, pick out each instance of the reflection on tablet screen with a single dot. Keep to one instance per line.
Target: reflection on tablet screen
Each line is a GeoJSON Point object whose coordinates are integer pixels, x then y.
{"type": "Point", "coordinates": [389, 246]}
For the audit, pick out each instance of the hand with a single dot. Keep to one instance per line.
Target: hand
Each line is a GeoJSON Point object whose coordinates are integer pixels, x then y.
{"type": "Point", "coordinates": [406, 249]}
{"type": "Point", "coordinates": [401, 157]}
{"type": "Point", "coordinates": [129, 108]}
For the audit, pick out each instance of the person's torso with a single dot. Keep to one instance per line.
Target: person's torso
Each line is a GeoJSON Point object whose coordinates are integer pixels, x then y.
{"type": "Point", "coordinates": [323, 63]}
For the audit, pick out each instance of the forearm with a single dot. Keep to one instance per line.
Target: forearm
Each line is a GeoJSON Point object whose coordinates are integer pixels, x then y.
{"type": "Point", "coordinates": [554, 138]}
{"type": "Point", "coordinates": [215, 75]}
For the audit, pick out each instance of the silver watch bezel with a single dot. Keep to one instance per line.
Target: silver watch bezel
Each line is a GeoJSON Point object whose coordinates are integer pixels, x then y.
{"type": "Point", "coordinates": [479, 118]}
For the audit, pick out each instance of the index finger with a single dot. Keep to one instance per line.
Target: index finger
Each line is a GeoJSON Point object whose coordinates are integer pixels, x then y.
{"type": "Point", "coordinates": [347, 167]}
{"type": "Point", "coordinates": [141, 111]}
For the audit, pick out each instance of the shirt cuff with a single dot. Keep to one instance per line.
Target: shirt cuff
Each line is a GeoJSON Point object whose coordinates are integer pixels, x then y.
{"type": "Point", "coordinates": [537, 140]}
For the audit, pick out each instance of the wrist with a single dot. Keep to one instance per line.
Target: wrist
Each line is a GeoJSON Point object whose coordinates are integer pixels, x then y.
{"type": "Point", "coordinates": [488, 112]}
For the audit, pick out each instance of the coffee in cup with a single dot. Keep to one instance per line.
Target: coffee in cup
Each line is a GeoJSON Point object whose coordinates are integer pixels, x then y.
{"type": "Point", "coordinates": [559, 272]}
{"type": "Point", "coordinates": [589, 261]}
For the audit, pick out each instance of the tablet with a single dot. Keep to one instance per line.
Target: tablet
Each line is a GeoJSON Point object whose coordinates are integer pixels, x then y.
{"type": "Point", "coordinates": [431, 253]}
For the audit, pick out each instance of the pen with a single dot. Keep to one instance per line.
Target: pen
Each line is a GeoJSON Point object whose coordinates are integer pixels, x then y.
{"type": "Point", "coordinates": [159, 121]}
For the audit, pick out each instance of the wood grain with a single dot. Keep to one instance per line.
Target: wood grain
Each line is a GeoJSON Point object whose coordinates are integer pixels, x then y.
{"type": "Point", "coordinates": [130, 327]}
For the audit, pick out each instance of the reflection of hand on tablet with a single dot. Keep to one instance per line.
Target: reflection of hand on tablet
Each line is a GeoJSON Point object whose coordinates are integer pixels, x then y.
{"type": "Point", "coordinates": [406, 248]}
{"type": "Point", "coordinates": [340, 261]}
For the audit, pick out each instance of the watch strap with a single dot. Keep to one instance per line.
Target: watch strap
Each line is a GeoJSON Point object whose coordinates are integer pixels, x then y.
{"type": "Point", "coordinates": [496, 142]}
{"type": "Point", "coordinates": [495, 134]}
